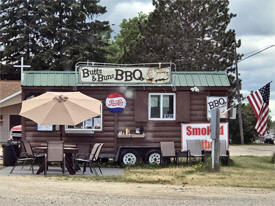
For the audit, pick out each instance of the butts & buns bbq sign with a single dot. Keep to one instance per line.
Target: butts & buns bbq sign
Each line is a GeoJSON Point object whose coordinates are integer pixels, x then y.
{"type": "Point", "coordinates": [89, 74]}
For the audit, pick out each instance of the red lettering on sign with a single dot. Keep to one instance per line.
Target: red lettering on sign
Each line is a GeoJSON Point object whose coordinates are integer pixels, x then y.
{"type": "Point", "coordinates": [203, 131]}
{"type": "Point", "coordinates": [189, 130]}
{"type": "Point", "coordinates": [115, 103]}
{"type": "Point", "coordinates": [198, 131]}
{"type": "Point", "coordinates": [221, 130]}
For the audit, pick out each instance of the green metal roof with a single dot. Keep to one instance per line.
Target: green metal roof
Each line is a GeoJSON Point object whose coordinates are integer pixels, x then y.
{"type": "Point", "coordinates": [69, 78]}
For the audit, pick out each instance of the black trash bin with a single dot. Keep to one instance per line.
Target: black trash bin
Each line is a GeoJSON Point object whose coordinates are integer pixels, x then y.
{"type": "Point", "coordinates": [9, 154]}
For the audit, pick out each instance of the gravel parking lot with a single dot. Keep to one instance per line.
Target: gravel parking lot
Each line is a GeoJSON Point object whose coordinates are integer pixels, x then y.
{"type": "Point", "coordinates": [42, 191]}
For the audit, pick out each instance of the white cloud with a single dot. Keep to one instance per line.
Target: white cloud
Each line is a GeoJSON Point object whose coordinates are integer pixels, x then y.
{"type": "Point", "coordinates": [253, 43]}
{"type": "Point", "coordinates": [245, 93]}
{"type": "Point", "coordinates": [258, 70]}
{"type": "Point", "coordinates": [128, 10]}
{"type": "Point", "coordinates": [124, 10]}
{"type": "Point", "coordinates": [254, 17]}
{"type": "Point", "coordinates": [272, 108]}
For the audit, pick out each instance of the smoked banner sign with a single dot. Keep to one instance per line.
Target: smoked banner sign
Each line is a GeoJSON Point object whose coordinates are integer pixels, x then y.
{"type": "Point", "coordinates": [89, 74]}
{"type": "Point", "coordinates": [201, 131]}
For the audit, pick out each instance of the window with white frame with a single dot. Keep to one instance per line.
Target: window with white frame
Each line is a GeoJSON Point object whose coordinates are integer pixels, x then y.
{"type": "Point", "coordinates": [88, 126]}
{"type": "Point", "coordinates": [162, 106]}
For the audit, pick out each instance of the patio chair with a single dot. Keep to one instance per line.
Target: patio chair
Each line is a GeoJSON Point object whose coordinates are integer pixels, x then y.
{"type": "Point", "coordinates": [83, 150]}
{"type": "Point", "coordinates": [26, 155]}
{"type": "Point", "coordinates": [83, 153]}
{"type": "Point", "coordinates": [55, 153]}
{"type": "Point", "coordinates": [92, 159]}
{"type": "Point", "coordinates": [194, 149]}
{"type": "Point", "coordinates": [167, 151]}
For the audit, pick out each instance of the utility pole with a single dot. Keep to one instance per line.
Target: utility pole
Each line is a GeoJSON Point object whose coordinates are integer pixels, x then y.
{"type": "Point", "coordinates": [238, 86]}
{"type": "Point", "coordinates": [239, 97]}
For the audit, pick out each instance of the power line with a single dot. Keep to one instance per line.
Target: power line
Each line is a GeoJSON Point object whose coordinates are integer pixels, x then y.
{"type": "Point", "coordinates": [253, 54]}
{"type": "Point", "coordinates": [257, 53]}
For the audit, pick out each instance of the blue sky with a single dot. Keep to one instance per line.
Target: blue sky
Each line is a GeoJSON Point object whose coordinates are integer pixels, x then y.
{"type": "Point", "coordinates": [254, 25]}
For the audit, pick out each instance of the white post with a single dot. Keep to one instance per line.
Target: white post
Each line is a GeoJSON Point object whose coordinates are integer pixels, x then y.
{"type": "Point", "coordinates": [215, 136]}
{"type": "Point", "coordinates": [21, 66]}
{"type": "Point", "coordinates": [212, 154]}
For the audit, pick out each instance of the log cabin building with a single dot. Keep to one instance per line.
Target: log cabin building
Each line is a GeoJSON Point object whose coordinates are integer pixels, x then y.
{"type": "Point", "coordinates": [141, 107]}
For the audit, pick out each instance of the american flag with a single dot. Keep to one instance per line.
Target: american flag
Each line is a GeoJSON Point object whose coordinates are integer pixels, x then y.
{"type": "Point", "coordinates": [259, 101]}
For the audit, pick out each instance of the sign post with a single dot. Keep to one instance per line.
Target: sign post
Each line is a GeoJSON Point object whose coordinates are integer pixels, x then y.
{"type": "Point", "coordinates": [215, 136]}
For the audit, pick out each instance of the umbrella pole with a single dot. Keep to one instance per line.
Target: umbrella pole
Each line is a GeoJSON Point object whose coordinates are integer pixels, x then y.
{"type": "Point", "coordinates": [61, 132]}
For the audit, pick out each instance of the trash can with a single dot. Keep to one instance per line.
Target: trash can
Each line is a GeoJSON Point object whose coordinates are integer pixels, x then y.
{"type": "Point", "coordinates": [9, 154]}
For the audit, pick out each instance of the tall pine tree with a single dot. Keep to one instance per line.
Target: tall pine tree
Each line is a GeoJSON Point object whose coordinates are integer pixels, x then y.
{"type": "Point", "coordinates": [58, 32]}
{"type": "Point", "coordinates": [192, 34]}
{"type": "Point", "coordinates": [18, 30]}
{"type": "Point", "coordinates": [70, 33]}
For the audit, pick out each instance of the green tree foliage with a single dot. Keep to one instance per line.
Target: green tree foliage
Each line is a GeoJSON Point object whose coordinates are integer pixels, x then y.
{"type": "Point", "coordinates": [52, 34]}
{"type": "Point", "coordinates": [192, 34]}
{"type": "Point", "coordinates": [18, 30]}
{"type": "Point", "coordinates": [8, 72]}
{"type": "Point", "coordinates": [129, 36]}
{"type": "Point", "coordinates": [249, 122]}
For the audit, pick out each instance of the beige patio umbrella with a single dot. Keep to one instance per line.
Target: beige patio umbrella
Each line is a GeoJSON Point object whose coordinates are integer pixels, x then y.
{"type": "Point", "coordinates": [60, 108]}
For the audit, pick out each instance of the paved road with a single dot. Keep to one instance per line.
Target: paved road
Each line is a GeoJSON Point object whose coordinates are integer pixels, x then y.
{"type": "Point", "coordinates": [254, 150]}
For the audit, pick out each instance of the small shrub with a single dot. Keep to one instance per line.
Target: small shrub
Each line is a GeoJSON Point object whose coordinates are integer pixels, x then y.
{"type": "Point", "coordinates": [198, 167]}
{"type": "Point", "coordinates": [207, 166]}
{"type": "Point", "coordinates": [203, 166]}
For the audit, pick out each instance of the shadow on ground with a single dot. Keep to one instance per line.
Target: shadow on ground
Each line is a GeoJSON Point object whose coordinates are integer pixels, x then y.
{"type": "Point", "coordinates": [53, 171]}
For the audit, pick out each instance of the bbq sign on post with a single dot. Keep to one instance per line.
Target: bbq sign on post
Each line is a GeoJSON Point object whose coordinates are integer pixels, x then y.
{"type": "Point", "coordinates": [217, 102]}
{"type": "Point", "coordinates": [201, 131]}
{"type": "Point", "coordinates": [149, 75]}
{"type": "Point", "coordinates": [115, 102]}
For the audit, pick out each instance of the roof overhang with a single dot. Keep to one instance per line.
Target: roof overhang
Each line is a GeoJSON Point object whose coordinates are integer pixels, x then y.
{"type": "Point", "coordinates": [13, 99]}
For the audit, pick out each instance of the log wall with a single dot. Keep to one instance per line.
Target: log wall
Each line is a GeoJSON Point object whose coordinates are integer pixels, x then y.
{"type": "Point", "coordinates": [191, 107]}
